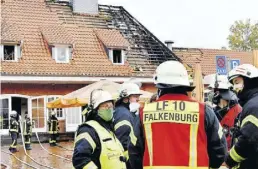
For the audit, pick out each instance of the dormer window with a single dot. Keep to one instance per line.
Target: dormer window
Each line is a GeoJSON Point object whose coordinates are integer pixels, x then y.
{"type": "Point", "coordinates": [10, 52]}
{"type": "Point", "coordinates": [117, 56]}
{"type": "Point", "coordinates": [61, 53]}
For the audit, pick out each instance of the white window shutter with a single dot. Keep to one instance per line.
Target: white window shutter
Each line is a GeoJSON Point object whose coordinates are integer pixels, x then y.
{"type": "Point", "coordinates": [53, 52]}
{"type": "Point", "coordinates": [123, 56]}
{"type": "Point", "coordinates": [110, 53]}
{"type": "Point", "coordinates": [70, 54]}
{"type": "Point", "coordinates": [17, 52]}
{"type": "Point", "coordinates": [2, 52]}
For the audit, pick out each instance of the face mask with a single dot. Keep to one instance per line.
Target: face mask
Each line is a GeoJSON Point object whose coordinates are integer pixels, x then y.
{"type": "Point", "coordinates": [134, 107]}
{"type": "Point", "coordinates": [106, 114]}
{"type": "Point", "coordinates": [238, 87]}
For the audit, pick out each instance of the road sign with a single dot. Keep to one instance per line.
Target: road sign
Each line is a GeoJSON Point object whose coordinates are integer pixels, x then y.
{"type": "Point", "coordinates": [221, 65]}
{"type": "Point", "coordinates": [234, 63]}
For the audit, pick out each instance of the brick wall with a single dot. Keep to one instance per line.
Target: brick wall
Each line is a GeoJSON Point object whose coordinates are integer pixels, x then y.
{"type": "Point", "coordinates": [39, 89]}
{"type": "Point", "coordinates": [49, 89]}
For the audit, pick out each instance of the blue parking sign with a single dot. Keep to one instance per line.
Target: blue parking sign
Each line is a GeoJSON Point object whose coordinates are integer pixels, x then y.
{"type": "Point", "coordinates": [221, 65]}
{"type": "Point", "coordinates": [234, 63]}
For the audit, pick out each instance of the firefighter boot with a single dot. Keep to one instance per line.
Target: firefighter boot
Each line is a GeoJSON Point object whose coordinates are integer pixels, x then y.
{"type": "Point", "coordinates": [11, 149]}
{"type": "Point", "coordinates": [27, 146]}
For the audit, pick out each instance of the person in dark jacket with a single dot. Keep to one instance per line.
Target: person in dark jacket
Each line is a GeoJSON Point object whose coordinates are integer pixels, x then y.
{"type": "Point", "coordinates": [244, 153]}
{"type": "Point", "coordinates": [14, 131]}
{"type": "Point", "coordinates": [96, 146]}
{"type": "Point", "coordinates": [227, 108]}
{"type": "Point", "coordinates": [53, 129]}
{"type": "Point", "coordinates": [125, 118]}
{"type": "Point", "coordinates": [27, 131]}
{"type": "Point", "coordinates": [169, 124]}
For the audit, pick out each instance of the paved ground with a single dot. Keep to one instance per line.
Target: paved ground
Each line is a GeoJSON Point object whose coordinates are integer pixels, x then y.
{"type": "Point", "coordinates": [41, 156]}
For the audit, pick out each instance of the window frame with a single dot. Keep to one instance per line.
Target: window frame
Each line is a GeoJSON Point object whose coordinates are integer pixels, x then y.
{"type": "Point", "coordinates": [17, 52]}
{"type": "Point", "coordinates": [111, 56]}
{"type": "Point", "coordinates": [57, 110]}
{"type": "Point", "coordinates": [67, 53]}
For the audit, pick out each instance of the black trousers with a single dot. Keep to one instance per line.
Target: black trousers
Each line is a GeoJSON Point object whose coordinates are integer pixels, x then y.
{"type": "Point", "coordinates": [52, 138]}
{"type": "Point", "coordinates": [27, 139]}
{"type": "Point", "coordinates": [14, 136]}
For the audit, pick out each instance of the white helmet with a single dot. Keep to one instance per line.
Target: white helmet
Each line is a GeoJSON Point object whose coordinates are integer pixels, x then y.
{"type": "Point", "coordinates": [171, 73]}
{"type": "Point", "coordinates": [53, 113]}
{"type": "Point", "coordinates": [222, 81]}
{"type": "Point", "coordinates": [100, 96]}
{"type": "Point", "coordinates": [13, 113]}
{"type": "Point", "coordinates": [245, 70]}
{"type": "Point", "coordinates": [128, 89]}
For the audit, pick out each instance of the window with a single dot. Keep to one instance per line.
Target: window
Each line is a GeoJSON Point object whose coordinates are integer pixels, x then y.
{"type": "Point", "coordinates": [38, 112]}
{"type": "Point", "coordinates": [10, 52]}
{"type": "Point", "coordinates": [61, 54]}
{"type": "Point", "coordinates": [59, 111]}
{"type": "Point", "coordinates": [4, 114]}
{"type": "Point", "coordinates": [116, 56]}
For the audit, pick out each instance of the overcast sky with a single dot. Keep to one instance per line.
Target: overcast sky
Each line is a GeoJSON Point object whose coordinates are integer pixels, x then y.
{"type": "Point", "coordinates": [190, 23]}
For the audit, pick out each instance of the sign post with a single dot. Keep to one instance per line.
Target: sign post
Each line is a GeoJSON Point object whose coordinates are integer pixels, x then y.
{"type": "Point", "coordinates": [221, 65]}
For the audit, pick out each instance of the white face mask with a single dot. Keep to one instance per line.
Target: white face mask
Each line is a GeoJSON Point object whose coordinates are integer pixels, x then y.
{"type": "Point", "coordinates": [238, 87]}
{"type": "Point", "coordinates": [134, 107]}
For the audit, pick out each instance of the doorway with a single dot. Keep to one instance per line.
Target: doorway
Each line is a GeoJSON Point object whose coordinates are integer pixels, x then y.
{"type": "Point", "coordinates": [10, 102]}
{"type": "Point", "coordinates": [20, 105]}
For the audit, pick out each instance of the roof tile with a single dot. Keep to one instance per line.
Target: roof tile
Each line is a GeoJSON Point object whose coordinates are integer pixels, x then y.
{"type": "Point", "coordinates": [111, 38]}
{"type": "Point", "coordinates": [207, 57]}
{"type": "Point", "coordinates": [29, 19]}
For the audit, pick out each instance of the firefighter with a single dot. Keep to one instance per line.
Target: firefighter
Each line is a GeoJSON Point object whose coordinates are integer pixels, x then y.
{"type": "Point", "coordinates": [244, 153]}
{"type": "Point", "coordinates": [53, 129]}
{"type": "Point", "coordinates": [227, 108]}
{"type": "Point", "coordinates": [27, 131]}
{"type": "Point", "coordinates": [180, 132]}
{"type": "Point", "coordinates": [14, 131]}
{"type": "Point", "coordinates": [96, 145]}
{"type": "Point", "coordinates": [125, 119]}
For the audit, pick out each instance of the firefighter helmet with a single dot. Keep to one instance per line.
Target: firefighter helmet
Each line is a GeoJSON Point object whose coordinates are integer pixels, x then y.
{"type": "Point", "coordinates": [245, 70]}
{"type": "Point", "coordinates": [128, 89]}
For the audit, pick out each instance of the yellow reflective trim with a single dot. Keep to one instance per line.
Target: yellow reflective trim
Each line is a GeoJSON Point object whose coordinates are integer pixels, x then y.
{"type": "Point", "coordinates": [14, 130]}
{"type": "Point", "coordinates": [172, 105]}
{"type": "Point", "coordinates": [193, 145]}
{"type": "Point", "coordinates": [174, 167]}
{"type": "Point", "coordinates": [236, 157]}
{"type": "Point", "coordinates": [90, 165]}
{"type": "Point", "coordinates": [126, 155]}
{"type": "Point", "coordinates": [132, 136]}
{"type": "Point", "coordinates": [175, 117]}
{"type": "Point", "coordinates": [236, 167]}
{"type": "Point", "coordinates": [148, 133]}
{"type": "Point", "coordinates": [250, 118]}
{"type": "Point", "coordinates": [51, 141]}
{"type": "Point", "coordinates": [87, 137]}
{"type": "Point", "coordinates": [220, 131]}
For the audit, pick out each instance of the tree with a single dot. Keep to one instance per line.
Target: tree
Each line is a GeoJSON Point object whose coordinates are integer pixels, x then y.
{"type": "Point", "coordinates": [243, 36]}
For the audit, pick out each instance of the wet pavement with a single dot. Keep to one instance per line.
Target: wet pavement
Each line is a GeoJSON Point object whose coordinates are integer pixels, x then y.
{"type": "Point", "coordinates": [40, 155]}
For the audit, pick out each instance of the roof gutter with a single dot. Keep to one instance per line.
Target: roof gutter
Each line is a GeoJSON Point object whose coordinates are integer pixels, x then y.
{"type": "Point", "coordinates": [67, 79]}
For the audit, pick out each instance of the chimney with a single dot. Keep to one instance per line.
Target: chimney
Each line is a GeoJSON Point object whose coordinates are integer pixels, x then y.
{"type": "Point", "coordinates": [169, 44]}
{"type": "Point", "coordinates": [86, 6]}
